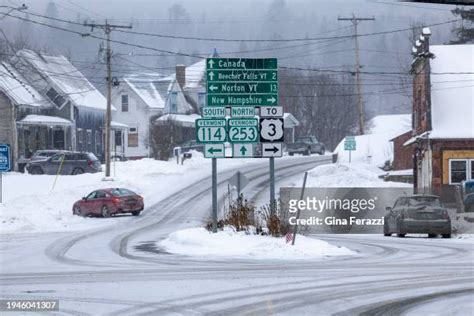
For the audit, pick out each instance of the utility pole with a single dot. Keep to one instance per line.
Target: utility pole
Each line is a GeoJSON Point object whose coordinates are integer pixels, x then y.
{"type": "Point", "coordinates": [108, 28]}
{"type": "Point", "coordinates": [360, 103]}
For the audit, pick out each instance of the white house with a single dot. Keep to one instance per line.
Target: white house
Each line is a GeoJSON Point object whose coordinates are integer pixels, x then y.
{"type": "Point", "coordinates": [140, 98]}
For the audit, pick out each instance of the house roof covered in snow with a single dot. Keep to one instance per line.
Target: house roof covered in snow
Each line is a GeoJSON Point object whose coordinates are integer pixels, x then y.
{"type": "Point", "coordinates": [185, 120]}
{"type": "Point", "coordinates": [195, 74]}
{"type": "Point", "coordinates": [152, 88]}
{"type": "Point", "coordinates": [65, 77]}
{"type": "Point", "coordinates": [452, 94]}
{"type": "Point", "coordinates": [14, 85]}
{"type": "Point", "coordinates": [45, 120]}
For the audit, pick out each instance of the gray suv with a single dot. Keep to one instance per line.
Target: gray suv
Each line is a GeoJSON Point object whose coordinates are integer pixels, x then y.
{"type": "Point", "coordinates": [67, 162]}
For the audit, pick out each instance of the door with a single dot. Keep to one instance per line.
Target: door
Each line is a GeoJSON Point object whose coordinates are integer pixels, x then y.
{"type": "Point", "coordinates": [100, 201]}
{"type": "Point", "coordinates": [58, 139]}
{"type": "Point", "coordinates": [88, 205]}
{"type": "Point", "coordinates": [54, 164]}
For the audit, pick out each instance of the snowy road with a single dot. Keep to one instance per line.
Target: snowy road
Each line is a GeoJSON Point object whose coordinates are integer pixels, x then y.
{"type": "Point", "coordinates": [117, 270]}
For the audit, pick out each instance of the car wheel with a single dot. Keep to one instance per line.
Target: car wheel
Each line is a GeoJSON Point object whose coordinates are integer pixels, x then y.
{"type": "Point", "coordinates": [431, 235]}
{"type": "Point", "coordinates": [322, 151]}
{"type": "Point", "coordinates": [291, 154]}
{"type": "Point", "coordinates": [307, 152]}
{"type": "Point", "coordinates": [76, 211]}
{"type": "Point", "coordinates": [446, 235]}
{"type": "Point", "coordinates": [105, 211]}
{"type": "Point", "coordinates": [77, 171]}
{"type": "Point", "coordinates": [36, 170]}
{"type": "Point", "coordinates": [386, 233]}
{"type": "Point", "coordinates": [136, 213]}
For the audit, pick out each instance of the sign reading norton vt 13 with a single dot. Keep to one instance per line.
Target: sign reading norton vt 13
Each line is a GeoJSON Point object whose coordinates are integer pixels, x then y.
{"type": "Point", "coordinates": [242, 85]}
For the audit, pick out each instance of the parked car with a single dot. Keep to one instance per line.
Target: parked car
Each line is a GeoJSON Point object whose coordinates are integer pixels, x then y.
{"type": "Point", "coordinates": [467, 195]}
{"type": "Point", "coordinates": [306, 145]}
{"type": "Point", "coordinates": [107, 202]}
{"type": "Point", "coordinates": [65, 163]}
{"type": "Point", "coordinates": [38, 155]}
{"type": "Point", "coordinates": [417, 214]}
{"type": "Point", "coordinates": [191, 145]}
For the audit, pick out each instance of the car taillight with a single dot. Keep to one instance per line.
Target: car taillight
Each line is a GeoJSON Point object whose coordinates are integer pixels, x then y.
{"type": "Point", "coordinates": [116, 200]}
{"type": "Point", "coordinates": [90, 163]}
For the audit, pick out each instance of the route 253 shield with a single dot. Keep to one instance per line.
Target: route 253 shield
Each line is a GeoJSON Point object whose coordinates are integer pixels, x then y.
{"type": "Point", "coordinates": [271, 130]}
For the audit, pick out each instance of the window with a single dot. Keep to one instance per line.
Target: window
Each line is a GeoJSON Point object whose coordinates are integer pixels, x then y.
{"type": "Point", "coordinates": [124, 102]}
{"type": "Point", "coordinates": [460, 170]}
{"type": "Point", "coordinates": [98, 142]}
{"type": "Point", "coordinates": [80, 139]}
{"type": "Point", "coordinates": [91, 196]}
{"type": "Point", "coordinates": [118, 138]}
{"type": "Point", "coordinates": [174, 102]}
{"type": "Point", "coordinates": [69, 157]}
{"type": "Point", "coordinates": [133, 137]}
{"type": "Point", "coordinates": [89, 139]}
{"type": "Point", "coordinates": [201, 100]}
{"type": "Point", "coordinates": [54, 96]}
{"type": "Point", "coordinates": [100, 195]}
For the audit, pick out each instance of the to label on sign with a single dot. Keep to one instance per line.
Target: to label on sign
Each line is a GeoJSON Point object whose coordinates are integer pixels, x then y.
{"type": "Point", "coordinates": [271, 111]}
{"type": "Point", "coordinates": [271, 130]}
{"type": "Point", "coordinates": [243, 130]}
{"type": "Point", "coordinates": [210, 131]}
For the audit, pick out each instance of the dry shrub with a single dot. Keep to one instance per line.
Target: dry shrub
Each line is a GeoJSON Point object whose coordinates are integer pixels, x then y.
{"type": "Point", "coordinates": [240, 214]}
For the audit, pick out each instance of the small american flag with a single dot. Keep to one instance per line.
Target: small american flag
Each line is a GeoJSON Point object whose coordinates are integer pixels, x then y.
{"type": "Point", "coordinates": [289, 237]}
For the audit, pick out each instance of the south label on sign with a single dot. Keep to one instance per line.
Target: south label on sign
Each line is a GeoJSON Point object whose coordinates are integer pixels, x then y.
{"type": "Point", "coordinates": [272, 130]}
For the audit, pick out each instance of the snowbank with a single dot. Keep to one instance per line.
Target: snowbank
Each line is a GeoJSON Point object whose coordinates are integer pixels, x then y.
{"type": "Point", "coordinates": [31, 204]}
{"type": "Point", "coordinates": [228, 243]}
{"type": "Point", "coordinates": [375, 147]}
{"type": "Point", "coordinates": [346, 175]}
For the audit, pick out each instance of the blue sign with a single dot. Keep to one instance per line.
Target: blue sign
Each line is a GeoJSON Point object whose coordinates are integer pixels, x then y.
{"type": "Point", "coordinates": [4, 157]}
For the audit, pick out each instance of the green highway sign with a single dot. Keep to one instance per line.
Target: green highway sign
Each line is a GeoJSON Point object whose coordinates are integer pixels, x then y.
{"type": "Point", "coordinates": [350, 143]}
{"type": "Point", "coordinates": [243, 130]}
{"type": "Point", "coordinates": [241, 111]}
{"type": "Point", "coordinates": [239, 88]}
{"type": "Point", "coordinates": [209, 131]}
{"type": "Point", "coordinates": [213, 112]}
{"type": "Point", "coordinates": [214, 151]}
{"type": "Point", "coordinates": [242, 75]}
{"type": "Point", "coordinates": [242, 100]}
{"type": "Point", "coordinates": [241, 63]}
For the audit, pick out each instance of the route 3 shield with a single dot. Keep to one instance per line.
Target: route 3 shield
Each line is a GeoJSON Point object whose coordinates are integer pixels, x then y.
{"type": "Point", "coordinates": [271, 130]}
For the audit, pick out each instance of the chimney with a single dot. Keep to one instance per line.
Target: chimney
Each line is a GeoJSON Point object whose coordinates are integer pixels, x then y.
{"type": "Point", "coordinates": [181, 75]}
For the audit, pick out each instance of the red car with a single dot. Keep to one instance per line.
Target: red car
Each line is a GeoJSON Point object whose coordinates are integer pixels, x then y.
{"type": "Point", "coordinates": [106, 202]}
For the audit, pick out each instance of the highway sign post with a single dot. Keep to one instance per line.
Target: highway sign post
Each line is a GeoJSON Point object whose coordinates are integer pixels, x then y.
{"type": "Point", "coordinates": [241, 84]}
{"type": "Point", "coordinates": [5, 159]}
{"type": "Point", "coordinates": [350, 145]}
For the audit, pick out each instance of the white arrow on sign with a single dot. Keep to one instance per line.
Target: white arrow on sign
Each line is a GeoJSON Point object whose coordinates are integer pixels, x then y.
{"type": "Point", "coordinates": [211, 76]}
{"type": "Point", "coordinates": [272, 100]}
{"type": "Point", "coordinates": [211, 63]}
{"type": "Point", "coordinates": [213, 87]}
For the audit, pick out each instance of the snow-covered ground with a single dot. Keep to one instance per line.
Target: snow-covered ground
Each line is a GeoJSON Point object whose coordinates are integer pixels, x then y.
{"type": "Point", "coordinates": [375, 147]}
{"type": "Point", "coordinates": [42, 203]}
{"type": "Point", "coordinates": [227, 243]}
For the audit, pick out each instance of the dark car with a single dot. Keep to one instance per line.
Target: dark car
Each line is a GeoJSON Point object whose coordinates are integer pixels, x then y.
{"type": "Point", "coordinates": [306, 145]}
{"type": "Point", "coordinates": [417, 214]}
{"type": "Point", "coordinates": [191, 145]}
{"type": "Point", "coordinates": [107, 202]}
{"type": "Point", "coordinates": [65, 163]}
{"type": "Point", "coordinates": [467, 193]}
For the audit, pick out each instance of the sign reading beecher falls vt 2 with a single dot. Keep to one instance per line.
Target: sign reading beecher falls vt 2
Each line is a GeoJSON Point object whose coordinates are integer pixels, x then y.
{"type": "Point", "coordinates": [241, 84]}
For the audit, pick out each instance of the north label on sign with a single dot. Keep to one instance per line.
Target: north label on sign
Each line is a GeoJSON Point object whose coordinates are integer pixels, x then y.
{"type": "Point", "coordinates": [272, 130]}
{"type": "Point", "coordinates": [244, 111]}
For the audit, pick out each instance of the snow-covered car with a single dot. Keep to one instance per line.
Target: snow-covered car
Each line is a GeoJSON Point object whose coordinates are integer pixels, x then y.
{"type": "Point", "coordinates": [417, 214]}
{"type": "Point", "coordinates": [107, 202]}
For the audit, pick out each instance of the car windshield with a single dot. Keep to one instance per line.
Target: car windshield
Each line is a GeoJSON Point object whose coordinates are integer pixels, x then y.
{"type": "Point", "coordinates": [303, 139]}
{"type": "Point", "coordinates": [424, 200]}
{"type": "Point", "coordinates": [122, 192]}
